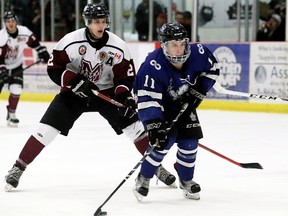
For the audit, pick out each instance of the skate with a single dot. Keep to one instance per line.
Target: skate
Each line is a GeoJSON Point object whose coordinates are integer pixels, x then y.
{"type": "Point", "coordinates": [141, 188]}
{"type": "Point", "coordinates": [166, 177]}
{"type": "Point", "coordinates": [12, 120]}
{"type": "Point", "coordinates": [190, 189]}
{"type": "Point", "coordinates": [12, 179]}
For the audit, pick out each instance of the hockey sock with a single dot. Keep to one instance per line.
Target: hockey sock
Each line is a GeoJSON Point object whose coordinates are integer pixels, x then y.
{"type": "Point", "coordinates": [29, 152]}
{"type": "Point", "coordinates": [13, 102]}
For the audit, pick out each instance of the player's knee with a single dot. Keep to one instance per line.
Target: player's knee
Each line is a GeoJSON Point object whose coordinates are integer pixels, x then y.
{"type": "Point", "coordinates": [15, 89]}
{"type": "Point", "coordinates": [134, 130]}
{"type": "Point", "coordinates": [45, 134]}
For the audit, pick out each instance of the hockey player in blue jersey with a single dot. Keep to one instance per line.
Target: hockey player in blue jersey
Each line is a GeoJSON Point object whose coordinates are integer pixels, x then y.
{"type": "Point", "coordinates": [172, 75]}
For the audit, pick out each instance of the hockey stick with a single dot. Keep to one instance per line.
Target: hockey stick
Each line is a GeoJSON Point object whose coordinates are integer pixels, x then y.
{"type": "Point", "coordinates": [104, 97]}
{"type": "Point", "coordinates": [243, 165]}
{"type": "Point", "coordinates": [218, 88]}
{"type": "Point", "coordinates": [34, 63]}
{"type": "Point", "coordinates": [99, 212]}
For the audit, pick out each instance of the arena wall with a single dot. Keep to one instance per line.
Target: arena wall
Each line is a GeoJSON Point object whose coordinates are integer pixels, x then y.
{"type": "Point", "coordinates": [258, 67]}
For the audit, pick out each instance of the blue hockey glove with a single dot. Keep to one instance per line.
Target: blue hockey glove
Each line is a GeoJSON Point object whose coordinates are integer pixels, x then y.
{"type": "Point", "coordinates": [81, 86]}
{"type": "Point", "coordinates": [43, 55]}
{"type": "Point", "coordinates": [157, 134]}
{"type": "Point", "coordinates": [193, 97]}
{"type": "Point", "coordinates": [130, 105]}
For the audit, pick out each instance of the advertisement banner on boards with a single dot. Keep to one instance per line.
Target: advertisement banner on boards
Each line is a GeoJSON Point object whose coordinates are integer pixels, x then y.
{"type": "Point", "coordinates": [269, 69]}
{"type": "Point", "coordinates": [234, 68]}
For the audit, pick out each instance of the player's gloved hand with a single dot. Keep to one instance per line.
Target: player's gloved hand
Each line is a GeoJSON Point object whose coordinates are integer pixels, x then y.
{"type": "Point", "coordinates": [43, 55]}
{"type": "Point", "coordinates": [193, 97]}
{"type": "Point", "coordinates": [130, 105]}
{"type": "Point", "coordinates": [3, 77]}
{"type": "Point", "coordinates": [157, 134]}
{"type": "Point", "coordinates": [81, 86]}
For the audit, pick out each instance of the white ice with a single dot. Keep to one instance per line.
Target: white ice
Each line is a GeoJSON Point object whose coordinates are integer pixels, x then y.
{"type": "Point", "coordinates": [75, 174]}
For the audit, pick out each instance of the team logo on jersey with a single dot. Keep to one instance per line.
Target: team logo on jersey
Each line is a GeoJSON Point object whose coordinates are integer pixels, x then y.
{"type": "Point", "coordinates": [21, 39]}
{"type": "Point", "coordinates": [82, 49]}
{"type": "Point", "coordinates": [103, 56]}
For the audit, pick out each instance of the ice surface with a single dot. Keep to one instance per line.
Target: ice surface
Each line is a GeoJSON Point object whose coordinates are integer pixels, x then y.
{"type": "Point", "coordinates": [75, 174]}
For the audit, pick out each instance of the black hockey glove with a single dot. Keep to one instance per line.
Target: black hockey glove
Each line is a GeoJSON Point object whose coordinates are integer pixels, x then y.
{"type": "Point", "coordinates": [157, 134]}
{"type": "Point", "coordinates": [130, 106]}
{"type": "Point", "coordinates": [81, 86]}
{"type": "Point", "coordinates": [3, 77]}
{"type": "Point", "coordinates": [43, 55]}
{"type": "Point", "coordinates": [193, 97]}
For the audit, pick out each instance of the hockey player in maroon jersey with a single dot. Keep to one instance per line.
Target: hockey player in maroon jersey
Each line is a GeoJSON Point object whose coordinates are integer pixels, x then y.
{"type": "Point", "coordinates": [88, 58]}
{"type": "Point", "coordinates": [13, 39]}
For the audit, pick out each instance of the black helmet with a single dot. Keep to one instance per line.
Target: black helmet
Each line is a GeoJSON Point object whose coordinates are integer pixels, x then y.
{"type": "Point", "coordinates": [95, 11]}
{"type": "Point", "coordinates": [9, 15]}
{"type": "Point", "coordinates": [174, 31]}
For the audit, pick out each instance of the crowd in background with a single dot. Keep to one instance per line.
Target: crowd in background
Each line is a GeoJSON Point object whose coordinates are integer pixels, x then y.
{"type": "Point", "coordinates": [272, 18]}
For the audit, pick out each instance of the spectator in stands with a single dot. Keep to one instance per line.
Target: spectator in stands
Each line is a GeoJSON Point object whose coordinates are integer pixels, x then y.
{"type": "Point", "coordinates": [271, 30]}
{"type": "Point", "coordinates": [187, 22]}
{"type": "Point", "coordinates": [161, 20]}
{"type": "Point", "coordinates": [179, 17]}
{"type": "Point", "coordinates": [33, 17]}
{"type": "Point", "coordinates": [142, 20]}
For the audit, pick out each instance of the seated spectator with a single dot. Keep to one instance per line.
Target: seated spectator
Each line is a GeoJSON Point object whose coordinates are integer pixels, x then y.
{"type": "Point", "coordinates": [270, 30]}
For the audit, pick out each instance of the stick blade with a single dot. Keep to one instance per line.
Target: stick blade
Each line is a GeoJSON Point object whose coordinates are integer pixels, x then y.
{"type": "Point", "coordinates": [251, 165]}
{"type": "Point", "coordinates": [99, 212]}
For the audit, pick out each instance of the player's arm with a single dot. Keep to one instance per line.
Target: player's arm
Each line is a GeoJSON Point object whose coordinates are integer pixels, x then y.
{"type": "Point", "coordinates": [42, 52]}
{"type": "Point", "coordinates": [148, 88]}
{"type": "Point", "coordinates": [124, 75]}
{"type": "Point", "coordinates": [210, 71]}
{"type": "Point", "coordinates": [3, 70]}
{"type": "Point", "coordinates": [205, 80]}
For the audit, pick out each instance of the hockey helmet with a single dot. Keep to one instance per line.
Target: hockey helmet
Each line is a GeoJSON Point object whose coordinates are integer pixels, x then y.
{"type": "Point", "coordinates": [9, 15]}
{"type": "Point", "coordinates": [95, 11]}
{"type": "Point", "coordinates": [174, 31]}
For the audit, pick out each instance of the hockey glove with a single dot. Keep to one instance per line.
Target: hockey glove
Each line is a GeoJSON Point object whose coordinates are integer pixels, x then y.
{"type": "Point", "coordinates": [157, 134]}
{"type": "Point", "coordinates": [130, 106]}
{"type": "Point", "coordinates": [193, 97]}
{"type": "Point", "coordinates": [81, 86]}
{"type": "Point", "coordinates": [43, 55]}
{"type": "Point", "coordinates": [3, 77]}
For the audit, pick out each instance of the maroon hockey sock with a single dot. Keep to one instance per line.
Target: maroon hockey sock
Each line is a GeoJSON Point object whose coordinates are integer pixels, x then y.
{"type": "Point", "coordinates": [142, 143]}
{"type": "Point", "coordinates": [29, 152]}
{"type": "Point", "coordinates": [13, 102]}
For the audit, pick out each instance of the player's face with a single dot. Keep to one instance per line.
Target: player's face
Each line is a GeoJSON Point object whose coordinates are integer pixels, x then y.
{"type": "Point", "coordinates": [97, 27]}
{"type": "Point", "coordinates": [176, 48]}
{"type": "Point", "coordinates": [11, 25]}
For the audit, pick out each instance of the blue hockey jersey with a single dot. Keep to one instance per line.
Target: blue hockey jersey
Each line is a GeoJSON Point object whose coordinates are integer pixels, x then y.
{"type": "Point", "coordinates": [159, 85]}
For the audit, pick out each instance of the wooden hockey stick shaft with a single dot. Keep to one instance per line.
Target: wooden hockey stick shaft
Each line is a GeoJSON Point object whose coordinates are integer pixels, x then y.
{"type": "Point", "coordinates": [218, 88]}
